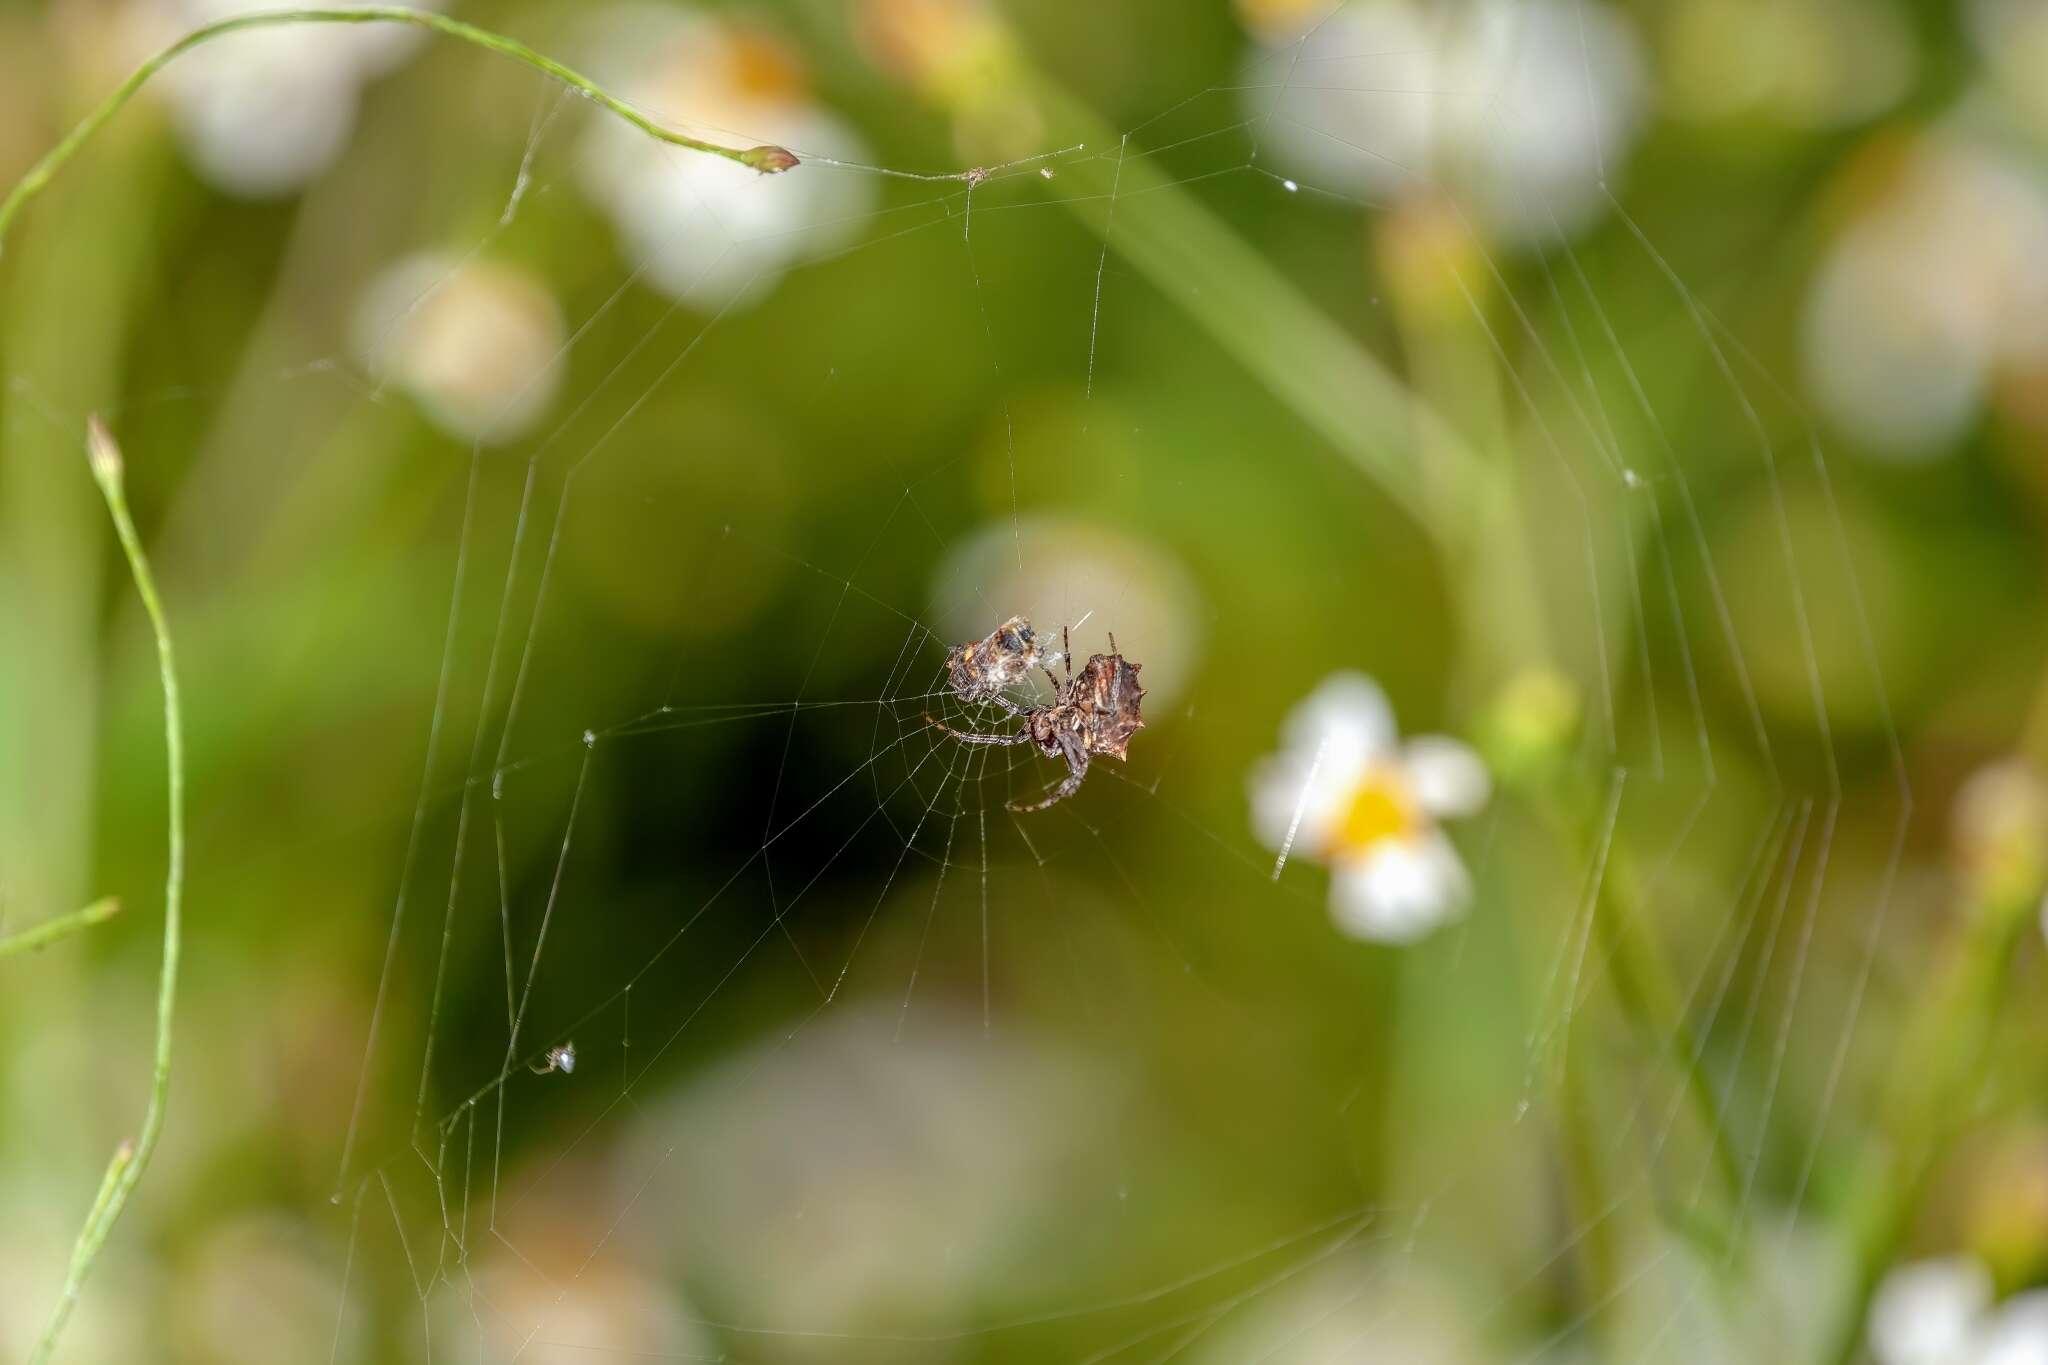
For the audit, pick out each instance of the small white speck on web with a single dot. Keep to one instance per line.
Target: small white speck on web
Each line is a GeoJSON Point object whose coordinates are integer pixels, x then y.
{"type": "Point", "coordinates": [1045, 172]}
{"type": "Point", "coordinates": [1294, 825]}
{"type": "Point", "coordinates": [1290, 186]}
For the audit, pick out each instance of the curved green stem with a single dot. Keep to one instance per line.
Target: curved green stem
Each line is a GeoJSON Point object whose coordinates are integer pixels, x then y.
{"type": "Point", "coordinates": [768, 160]}
{"type": "Point", "coordinates": [50, 930]}
{"type": "Point", "coordinates": [125, 1170]}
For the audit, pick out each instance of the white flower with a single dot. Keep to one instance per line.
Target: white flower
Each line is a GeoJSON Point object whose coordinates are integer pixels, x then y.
{"type": "Point", "coordinates": [862, 1176]}
{"type": "Point", "coordinates": [1927, 1313]}
{"type": "Point", "coordinates": [1347, 793]}
{"type": "Point", "coordinates": [1940, 1312]}
{"type": "Point", "coordinates": [263, 111]}
{"type": "Point", "coordinates": [1921, 303]}
{"type": "Point", "coordinates": [706, 229]}
{"type": "Point", "coordinates": [478, 344]}
{"type": "Point", "coordinates": [548, 1301]}
{"type": "Point", "coordinates": [1516, 102]}
{"type": "Point", "coordinates": [1353, 1309]}
{"type": "Point", "coordinates": [2017, 1333]}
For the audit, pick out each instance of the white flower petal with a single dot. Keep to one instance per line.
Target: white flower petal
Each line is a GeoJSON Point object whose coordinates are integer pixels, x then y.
{"type": "Point", "coordinates": [1399, 891]}
{"type": "Point", "coordinates": [1499, 99]}
{"type": "Point", "coordinates": [707, 230]}
{"type": "Point", "coordinates": [2018, 1334]}
{"type": "Point", "coordinates": [1347, 717]}
{"type": "Point", "coordinates": [477, 343]}
{"type": "Point", "coordinates": [264, 111]}
{"type": "Point", "coordinates": [1295, 783]}
{"type": "Point", "coordinates": [1926, 1313]}
{"type": "Point", "coordinates": [1366, 130]}
{"type": "Point", "coordinates": [1448, 779]}
{"type": "Point", "coordinates": [1924, 300]}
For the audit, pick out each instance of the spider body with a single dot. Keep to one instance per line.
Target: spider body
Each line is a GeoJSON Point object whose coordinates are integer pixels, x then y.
{"type": "Point", "coordinates": [562, 1059]}
{"type": "Point", "coordinates": [1094, 712]}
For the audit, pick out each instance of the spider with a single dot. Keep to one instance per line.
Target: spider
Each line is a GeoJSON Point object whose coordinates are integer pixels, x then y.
{"type": "Point", "coordinates": [562, 1059]}
{"type": "Point", "coordinates": [1095, 713]}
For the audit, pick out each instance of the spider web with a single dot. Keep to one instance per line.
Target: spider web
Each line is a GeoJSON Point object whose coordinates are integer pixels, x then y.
{"type": "Point", "coordinates": [869, 1066]}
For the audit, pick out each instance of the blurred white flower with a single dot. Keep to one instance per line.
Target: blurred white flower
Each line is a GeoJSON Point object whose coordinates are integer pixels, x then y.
{"type": "Point", "coordinates": [1790, 1290]}
{"type": "Point", "coordinates": [1929, 1312]}
{"type": "Point", "coordinates": [2017, 1333]}
{"type": "Point", "coordinates": [858, 1181]}
{"type": "Point", "coordinates": [263, 112]}
{"type": "Point", "coordinates": [478, 344]}
{"type": "Point", "coordinates": [548, 1300]}
{"type": "Point", "coordinates": [260, 1287]}
{"type": "Point", "coordinates": [1525, 106]}
{"type": "Point", "coordinates": [1344, 791]}
{"type": "Point", "coordinates": [1922, 301]}
{"type": "Point", "coordinates": [708, 230]}
{"type": "Point", "coordinates": [1353, 1310]}
{"type": "Point", "coordinates": [1940, 1312]}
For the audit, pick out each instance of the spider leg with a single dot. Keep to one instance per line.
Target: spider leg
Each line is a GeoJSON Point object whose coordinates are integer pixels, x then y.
{"type": "Point", "coordinates": [1077, 768]}
{"type": "Point", "coordinates": [1067, 655]}
{"type": "Point", "coordinates": [1000, 700]}
{"type": "Point", "coordinates": [969, 737]}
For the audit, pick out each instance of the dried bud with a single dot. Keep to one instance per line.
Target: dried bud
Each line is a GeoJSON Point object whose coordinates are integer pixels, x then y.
{"type": "Point", "coordinates": [101, 451]}
{"type": "Point", "coordinates": [770, 160]}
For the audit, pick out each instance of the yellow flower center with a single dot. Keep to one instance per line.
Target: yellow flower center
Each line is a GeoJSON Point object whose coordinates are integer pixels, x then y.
{"type": "Point", "coordinates": [1382, 808]}
{"type": "Point", "coordinates": [1282, 21]}
{"type": "Point", "coordinates": [763, 69]}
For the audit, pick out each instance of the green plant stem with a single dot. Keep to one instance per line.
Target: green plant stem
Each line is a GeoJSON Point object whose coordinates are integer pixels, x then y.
{"type": "Point", "coordinates": [1263, 322]}
{"type": "Point", "coordinates": [49, 931]}
{"type": "Point", "coordinates": [129, 1161]}
{"type": "Point", "coordinates": [1651, 999]}
{"type": "Point", "coordinates": [123, 1155]}
{"type": "Point", "coordinates": [1646, 993]}
{"type": "Point", "coordinates": [1942, 1055]}
{"type": "Point", "coordinates": [766, 159]}
{"type": "Point", "coordinates": [1597, 1247]}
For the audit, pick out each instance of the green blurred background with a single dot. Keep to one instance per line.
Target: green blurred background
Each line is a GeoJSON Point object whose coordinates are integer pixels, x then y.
{"type": "Point", "coordinates": [1684, 369]}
